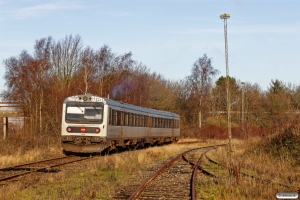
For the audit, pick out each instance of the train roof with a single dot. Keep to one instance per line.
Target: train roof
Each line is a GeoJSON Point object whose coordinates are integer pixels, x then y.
{"type": "Point", "coordinates": [110, 102]}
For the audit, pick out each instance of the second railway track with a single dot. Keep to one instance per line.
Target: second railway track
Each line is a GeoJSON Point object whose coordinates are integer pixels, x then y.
{"type": "Point", "coordinates": [12, 173]}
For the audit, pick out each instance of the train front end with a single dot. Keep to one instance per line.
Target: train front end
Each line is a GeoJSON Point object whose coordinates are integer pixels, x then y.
{"type": "Point", "coordinates": [83, 124]}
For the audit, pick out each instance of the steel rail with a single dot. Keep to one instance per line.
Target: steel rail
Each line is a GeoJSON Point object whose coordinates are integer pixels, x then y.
{"type": "Point", "coordinates": [32, 163]}
{"type": "Point", "coordinates": [44, 169]}
{"type": "Point", "coordinates": [137, 192]}
{"type": "Point", "coordinates": [249, 175]}
{"type": "Point", "coordinates": [194, 175]}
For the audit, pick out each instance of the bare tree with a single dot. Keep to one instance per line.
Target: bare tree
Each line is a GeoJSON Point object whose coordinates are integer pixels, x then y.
{"type": "Point", "coordinates": [201, 80]}
{"type": "Point", "coordinates": [27, 79]}
{"type": "Point", "coordinates": [66, 58]}
{"type": "Point", "coordinates": [88, 67]}
{"type": "Point", "coordinates": [41, 74]}
{"type": "Point", "coordinates": [105, 60]}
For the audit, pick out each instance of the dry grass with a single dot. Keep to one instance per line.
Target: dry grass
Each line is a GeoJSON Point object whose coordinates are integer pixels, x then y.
{"type": "Point", "coordinates": [23, 147]}
{"type": "Point", "coordinates": [29, 156]}
{"type": "Point", "coordinates": [250, 157]}
{"type": "Point", "coordinates": [98, 178]}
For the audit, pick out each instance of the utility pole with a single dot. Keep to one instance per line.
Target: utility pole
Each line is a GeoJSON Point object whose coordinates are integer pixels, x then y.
{"type": "Point", "coordinates": [243, 85]}
{"type": "Point", "coordinates": [243, 94]}
{"type": "Point", "coordinates": [224, 17]}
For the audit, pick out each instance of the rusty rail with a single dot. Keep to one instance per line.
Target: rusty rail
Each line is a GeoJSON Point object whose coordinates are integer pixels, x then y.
{"type": "Point", "coordinates": [249, 175]}
{"type": "Point", "coordinates": [29, 169]}
{"type": "Point", "coordinates": [137, 192]}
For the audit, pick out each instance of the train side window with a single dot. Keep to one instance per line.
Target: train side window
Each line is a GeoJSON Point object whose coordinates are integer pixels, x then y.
{"type": "Point", "coordinates": [153, 122]}
{"type": "Point", "coordinates": [130, 119]}
{"type": "Point", "coordinates": [119, 113]}
{"type": "Point", "coordinates": [145, 121]}
{"type": "Point", "coordinates": [142, 121]}
{"type": "Point", "coordinates": [177, 123]}
{"type": "Point", "coordinates": [114, 117]}
{"type": "Point", "coordinates": [133, 119]}
{"type": "Point", "coordinates": [137, 120]}
{"type": "Point", "coordinates": [110, 116]}
{"type": "Point", "coordinates": [126, 118]}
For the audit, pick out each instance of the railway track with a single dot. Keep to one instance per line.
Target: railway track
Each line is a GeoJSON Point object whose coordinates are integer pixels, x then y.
{"type": "Point", "coordinates": [174, 180]}
{"type": "Point", "coordinates": [248, 175]}
{"type": "Point", "coordinates": [13, 173]}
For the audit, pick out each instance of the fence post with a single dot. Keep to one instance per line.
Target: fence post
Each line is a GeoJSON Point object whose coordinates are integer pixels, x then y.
{"type": "Point", "coordinates": [5, 127]}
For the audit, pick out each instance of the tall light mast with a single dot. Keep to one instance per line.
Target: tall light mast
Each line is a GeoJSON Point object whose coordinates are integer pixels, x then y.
{"type": "Point", "coordinates": [224, 17]}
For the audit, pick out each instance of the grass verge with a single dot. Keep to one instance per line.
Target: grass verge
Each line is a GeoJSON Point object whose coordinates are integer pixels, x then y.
{"type": "Point", "coordinates": [98, 178]}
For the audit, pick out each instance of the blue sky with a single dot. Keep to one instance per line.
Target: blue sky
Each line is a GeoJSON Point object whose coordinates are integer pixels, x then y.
{"type": "Point", "coordinates": [167, 35]}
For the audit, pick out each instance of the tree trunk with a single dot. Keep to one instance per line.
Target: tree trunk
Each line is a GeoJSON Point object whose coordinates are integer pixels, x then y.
{"type": "Point", "coordinates": [200, 112]}
{"type": "Point", "coordinates": [200, 121]}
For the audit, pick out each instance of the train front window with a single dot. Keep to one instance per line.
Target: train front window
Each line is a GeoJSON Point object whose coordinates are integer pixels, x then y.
{"type": "Point", "coordinates": [84, 112]}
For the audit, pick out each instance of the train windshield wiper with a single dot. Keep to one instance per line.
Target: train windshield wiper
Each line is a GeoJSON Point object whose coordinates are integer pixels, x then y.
{"type": "Point", "coordinates": [79, 107]}
{"type": "Point", "coordinates": [96, 109]}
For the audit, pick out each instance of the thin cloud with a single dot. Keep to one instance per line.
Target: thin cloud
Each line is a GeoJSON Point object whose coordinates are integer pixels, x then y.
{"type": "Point", "coordinates": [15, 44]}
{"type": "Point", "coordinates": [40, 10]}
{"type": "Point", "coordinates": [121, 14]}
{"type": "Point", "coordinates": [265, 29]}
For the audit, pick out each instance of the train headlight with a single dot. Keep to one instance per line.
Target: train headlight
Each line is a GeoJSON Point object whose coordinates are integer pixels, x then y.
{"type": "Point", "coordinates": [69, 129]}
{"type": "Point", "coordinates": [67, 138]}
{"type": "Point", "coordinates": [97, 130]}
{"type": "Point", "coordinates": [96, 139]}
